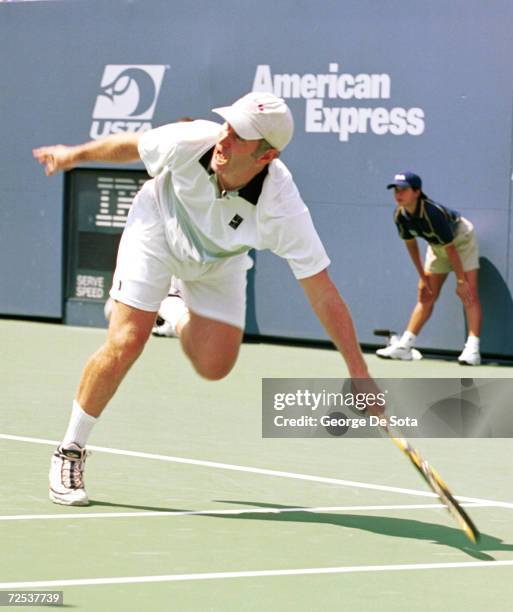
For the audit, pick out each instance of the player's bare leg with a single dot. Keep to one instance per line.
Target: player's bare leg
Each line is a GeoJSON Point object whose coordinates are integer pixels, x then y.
{"type": "Point", "coordinates": [212, 346]}
{"type": "Point", "coordinates": [129, 329]}
{"type": "Point", "coordinates": [471, 351]}
{"type": "Point", "coordinates": [473, 310]}
{"type": "Point", "coordinates": [425, 303]}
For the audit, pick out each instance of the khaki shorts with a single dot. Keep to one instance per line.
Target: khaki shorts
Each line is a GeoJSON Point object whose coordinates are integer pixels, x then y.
{"type": "Point", "coordinates": [146, 262]}
{"type": "Point", "coordinates": [467, 247]}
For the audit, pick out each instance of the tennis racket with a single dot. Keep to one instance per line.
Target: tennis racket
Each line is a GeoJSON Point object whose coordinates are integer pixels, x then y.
{"type": "Point", "coordinates": [437, 485]}
{"type": "Point", "coordinates": [428, 473]}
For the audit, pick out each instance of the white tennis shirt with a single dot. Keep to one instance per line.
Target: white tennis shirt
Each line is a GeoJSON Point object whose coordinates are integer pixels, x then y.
{"type": "Point", "coordinates": [203, 225]}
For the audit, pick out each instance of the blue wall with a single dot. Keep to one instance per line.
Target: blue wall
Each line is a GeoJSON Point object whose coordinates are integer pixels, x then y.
{"type": "Point", "coordinates": [447, 66]}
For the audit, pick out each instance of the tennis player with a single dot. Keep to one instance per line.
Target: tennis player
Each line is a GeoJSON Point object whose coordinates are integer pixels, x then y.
{"type": "Point", "coordinates": [452, 246]}
{"type": "Point", "coordinates": [218, 191]}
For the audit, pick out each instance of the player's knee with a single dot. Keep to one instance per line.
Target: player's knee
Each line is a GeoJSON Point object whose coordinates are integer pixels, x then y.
{"type": "Point", "coordinates": [213, 367]}
{"type": "Point", "coordinates": [127, 343]}
{"type": "Point", "coordinates": [433, 297]}
{"type": "Point", "coordinates": [474, 296]}
{"type": "Point", "coordinates": [427, 302]}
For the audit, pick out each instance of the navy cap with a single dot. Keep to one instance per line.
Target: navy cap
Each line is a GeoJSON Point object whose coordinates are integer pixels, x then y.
{"type": "Point", "coordinates": [406, 179]}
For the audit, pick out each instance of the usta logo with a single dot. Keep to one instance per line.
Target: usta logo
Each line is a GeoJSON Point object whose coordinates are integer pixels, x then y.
{"type": "Point", "coordinates": [127, 99]}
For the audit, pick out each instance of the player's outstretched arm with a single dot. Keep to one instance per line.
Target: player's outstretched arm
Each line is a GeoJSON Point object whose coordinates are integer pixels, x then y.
{"type": "Point", "coordinates": [117, 148]}
{"type": "Point", "coordinates": [335, 317]}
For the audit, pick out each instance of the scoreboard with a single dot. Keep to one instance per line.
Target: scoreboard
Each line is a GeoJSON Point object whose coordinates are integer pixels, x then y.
{"type": "Point", "coordinates": [97, 202]}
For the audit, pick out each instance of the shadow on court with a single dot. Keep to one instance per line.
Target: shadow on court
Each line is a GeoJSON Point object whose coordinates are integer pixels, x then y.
{"type": "Point", "coordinates": [394, 527]}
{"type": "Point", "coordinates": [94, 502]}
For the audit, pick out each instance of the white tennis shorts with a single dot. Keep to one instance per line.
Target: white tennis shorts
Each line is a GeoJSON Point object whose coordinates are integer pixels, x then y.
{"type": "Point", "coordinates": [146, 262]}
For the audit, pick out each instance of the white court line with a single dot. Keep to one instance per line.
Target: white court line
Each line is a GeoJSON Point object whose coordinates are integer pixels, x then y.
{"type": "Point", "coordinates": [223, 512]}
{"type": "Point", "coordinates": [40, 584]}
{"type": "Point", "coordinates": [267, 472]}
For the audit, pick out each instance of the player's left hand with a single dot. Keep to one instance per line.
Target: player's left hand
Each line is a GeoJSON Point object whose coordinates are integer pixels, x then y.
{"type": "Point", "coordinates": [54, 158]}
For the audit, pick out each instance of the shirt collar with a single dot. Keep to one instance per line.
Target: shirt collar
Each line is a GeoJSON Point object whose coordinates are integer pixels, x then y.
{"type": "Point", "coordinates": [418, 212]}
{"type": "Point", "coordinates": [250, 192]}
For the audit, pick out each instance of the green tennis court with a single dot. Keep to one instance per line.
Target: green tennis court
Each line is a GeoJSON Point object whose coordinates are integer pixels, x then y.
{"type": "Point", "coordinates": [193, 510]}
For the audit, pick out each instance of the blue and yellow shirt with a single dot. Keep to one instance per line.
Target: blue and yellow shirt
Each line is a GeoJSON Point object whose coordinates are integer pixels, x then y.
{"type": "Point", "coordinates": [435, 223]}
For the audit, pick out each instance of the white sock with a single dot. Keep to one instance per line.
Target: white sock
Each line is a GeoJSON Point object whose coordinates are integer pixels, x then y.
{"type": "Point", "coordinates": [79, 428]}
{"type": "Point", "coordinates": [473, 342]}
{"type": "Point", "coordinates": [407, 339]}
{"type": "Point", "coordinates": [172, 310]}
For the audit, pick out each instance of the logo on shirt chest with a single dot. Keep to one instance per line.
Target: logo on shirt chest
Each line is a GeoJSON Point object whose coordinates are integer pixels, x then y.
{"type": "Point", "coordinates": [236, 221]}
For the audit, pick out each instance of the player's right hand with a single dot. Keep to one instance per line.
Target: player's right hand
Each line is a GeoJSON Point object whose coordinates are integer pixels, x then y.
{"type": "Point", "coordinates": [55, 158]}
{"type": "Point", "coordinates": [369, 392]}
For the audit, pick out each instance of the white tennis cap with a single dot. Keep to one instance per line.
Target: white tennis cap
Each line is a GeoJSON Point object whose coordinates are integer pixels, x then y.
{"type": "Point", "coordinates": [260, 115]}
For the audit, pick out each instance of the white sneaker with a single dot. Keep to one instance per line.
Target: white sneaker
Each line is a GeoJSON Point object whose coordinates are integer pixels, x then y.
{"type": "Point", "coordinates": [107, 308]}
{"type": "Point", "coordinates": [171, 311]}
{"type": "Point", "coordinates": [396, 351]}
{"type": "Point", "coordinates": [470, 356]}
{"type": "Point", "coordinates": [67, 476]}
{"type": "Point", "coordinates": [165, 330]}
